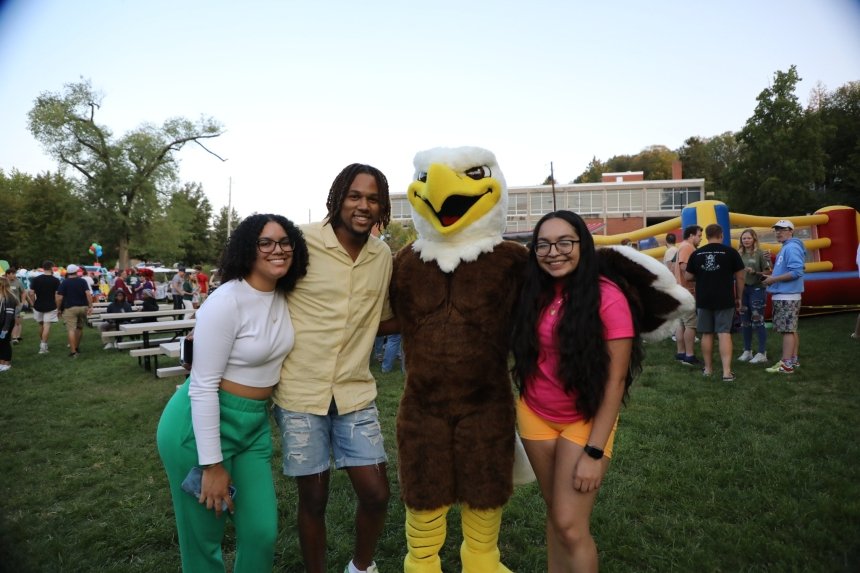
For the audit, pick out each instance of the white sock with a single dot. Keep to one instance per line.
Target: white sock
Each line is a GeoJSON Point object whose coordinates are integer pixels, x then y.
{"type": "Point", "coordinates": [354, 569]}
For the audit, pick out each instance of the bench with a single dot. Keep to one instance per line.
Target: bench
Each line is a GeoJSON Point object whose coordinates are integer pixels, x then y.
{"type": "Point", "coordinates": [171, 371]}
{"type": "Point", "coordinates": [151, 351]}
{"type": "Point", "coordinates": [146, 330]}
{"type": "Point", "coordinates": [170, 348]}
{"type": "Point", "coordinates": [129, 344]}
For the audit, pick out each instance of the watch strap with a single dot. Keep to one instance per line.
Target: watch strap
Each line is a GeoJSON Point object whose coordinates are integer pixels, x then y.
{"type": "Point", "coordinates": [592, 452]}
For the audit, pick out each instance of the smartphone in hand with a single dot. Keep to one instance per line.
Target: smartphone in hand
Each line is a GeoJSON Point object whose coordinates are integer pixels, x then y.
{"type": "Point", "coordinates": [193, 483]}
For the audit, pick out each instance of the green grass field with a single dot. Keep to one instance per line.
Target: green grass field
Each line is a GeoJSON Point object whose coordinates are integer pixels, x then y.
{"type": "Point", "coordinates": [762, 474]}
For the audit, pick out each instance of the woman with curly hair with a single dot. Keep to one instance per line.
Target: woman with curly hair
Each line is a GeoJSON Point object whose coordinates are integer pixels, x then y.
{"type": "Point", "coordinates": [218, 420]}
{"type": "Point", "coordinates": [756, 267]}
{"type": "Point", "coordinates": [576, 349]}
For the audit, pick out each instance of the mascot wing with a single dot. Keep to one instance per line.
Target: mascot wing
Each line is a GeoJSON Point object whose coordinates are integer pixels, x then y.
{"type": "Point", "coordinates": [655, 297]}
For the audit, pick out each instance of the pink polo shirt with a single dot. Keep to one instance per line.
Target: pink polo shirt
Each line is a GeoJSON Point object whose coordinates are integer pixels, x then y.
{"type": "Point", "coordinates": [545, 392]}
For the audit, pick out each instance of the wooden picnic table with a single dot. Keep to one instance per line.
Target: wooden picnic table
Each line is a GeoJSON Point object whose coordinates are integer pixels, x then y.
{"type": "Point", "coordinates": [144, 329]}
{"type": "Point", "coordinates": [126, 316]}
{"type": "Point", "coordinates": [104, 304]}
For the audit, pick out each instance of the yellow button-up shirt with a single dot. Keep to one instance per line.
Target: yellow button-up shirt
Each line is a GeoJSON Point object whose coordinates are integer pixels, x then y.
{"type": "Point", "coordinates": [336, 309]}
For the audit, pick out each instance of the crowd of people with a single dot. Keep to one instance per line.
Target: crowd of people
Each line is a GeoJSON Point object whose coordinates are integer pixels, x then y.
{"type": "Point", "coordinates": [67, 294]}
{"type": "Point", "coordinates": [731, 289]}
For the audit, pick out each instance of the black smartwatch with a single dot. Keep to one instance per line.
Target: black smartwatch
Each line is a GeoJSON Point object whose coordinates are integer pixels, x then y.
{"type": "Point", "coordinates": [592, 452]}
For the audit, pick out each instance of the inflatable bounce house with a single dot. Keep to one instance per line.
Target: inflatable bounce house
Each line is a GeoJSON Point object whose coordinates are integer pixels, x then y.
{"type": "Point", "coordinates": [830, 235]}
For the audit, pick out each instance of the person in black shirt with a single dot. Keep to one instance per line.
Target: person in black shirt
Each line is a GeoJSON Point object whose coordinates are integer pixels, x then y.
{"type": "Point", "coordinates": [43, 290]}
{"type": "Point", "coordinates": [119, 304]}
{"type": "Point", "coordinates": [719, 274]}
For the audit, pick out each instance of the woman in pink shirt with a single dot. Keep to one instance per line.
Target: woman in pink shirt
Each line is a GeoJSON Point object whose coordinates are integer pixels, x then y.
{"type": "Point", "coordinates": [576, 348]}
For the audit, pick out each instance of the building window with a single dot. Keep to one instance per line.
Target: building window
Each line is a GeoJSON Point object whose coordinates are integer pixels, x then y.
{"type": "Point", "coordinates": [584, 202]}
{"type": "Point", "coordinates": [541, 202]}
{"type": "Point", "coordinates": [518, 204]}
{"type": "Point", "coordinates": [674, 199]}
{"type": "Point", "coordinates": [400, 209]}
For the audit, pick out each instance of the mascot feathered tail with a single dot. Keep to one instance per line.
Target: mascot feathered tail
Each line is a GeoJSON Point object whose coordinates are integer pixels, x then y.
{"type": "Point", "coordinates": [454, 291]}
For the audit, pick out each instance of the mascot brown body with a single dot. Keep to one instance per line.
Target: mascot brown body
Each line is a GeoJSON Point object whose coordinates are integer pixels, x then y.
{"type": "Point", "coordinates": [454, 291]}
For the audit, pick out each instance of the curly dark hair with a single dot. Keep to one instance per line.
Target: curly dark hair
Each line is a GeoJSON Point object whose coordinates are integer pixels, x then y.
{"type": "Point", "coordinates": [584, 358]}
{"type": "Point", "coordinates": [239, 255]}
{"type": "Point", "coordinates": [340, 187]}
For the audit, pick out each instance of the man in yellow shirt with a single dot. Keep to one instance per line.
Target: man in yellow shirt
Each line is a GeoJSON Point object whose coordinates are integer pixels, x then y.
{"type": "Point", "coordinates": [325, 400]}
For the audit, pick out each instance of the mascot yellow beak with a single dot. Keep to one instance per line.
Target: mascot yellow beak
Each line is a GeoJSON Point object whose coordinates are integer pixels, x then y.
{"type": "Point", "coordinates": [452, 201]}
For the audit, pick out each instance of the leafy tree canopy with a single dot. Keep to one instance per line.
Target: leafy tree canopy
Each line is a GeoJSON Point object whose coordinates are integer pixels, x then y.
{"type": "Point", "coordinates": [122, 177]}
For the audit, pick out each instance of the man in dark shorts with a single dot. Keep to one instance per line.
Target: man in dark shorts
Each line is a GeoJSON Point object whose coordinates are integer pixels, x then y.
{"type": "Point", "coordinates": [719, 274]}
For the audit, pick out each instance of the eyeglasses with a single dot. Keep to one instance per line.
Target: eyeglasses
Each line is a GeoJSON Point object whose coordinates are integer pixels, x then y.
{"type": "Point", "coordinates": [562, 247]}
{"type": "Point", "coordinates": [268, 245]}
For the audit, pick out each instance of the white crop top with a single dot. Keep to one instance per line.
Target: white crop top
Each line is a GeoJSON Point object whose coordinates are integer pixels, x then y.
{"type": "Point", "coordinates": [242, 335]}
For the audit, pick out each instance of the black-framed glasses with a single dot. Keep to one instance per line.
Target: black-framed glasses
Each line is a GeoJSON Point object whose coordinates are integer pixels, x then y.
{"type": "Point", "coordinates": [268, 245]}
{"type": "Point", "coordinates": [562, 247]}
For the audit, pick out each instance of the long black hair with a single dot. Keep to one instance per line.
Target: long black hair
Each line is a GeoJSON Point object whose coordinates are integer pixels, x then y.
{"type": "Point", "coordinates": [239, 255]}
{"type": "Point", "coordinates": [340, 187]}
{"type": "Point", "coordinates": [583, 355]}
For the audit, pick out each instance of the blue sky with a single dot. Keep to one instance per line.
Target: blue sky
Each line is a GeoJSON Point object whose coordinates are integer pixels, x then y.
{"type": "Point", "coordinates": [305, 88]}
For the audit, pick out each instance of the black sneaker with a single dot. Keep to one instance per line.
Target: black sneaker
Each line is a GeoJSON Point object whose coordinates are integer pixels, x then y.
{"type": "Point", "coordinates": [680, 356]}
{"type": "Point", "coordinates": [73, 354]}
{"type": "Point", "coordinates": [690, 361]}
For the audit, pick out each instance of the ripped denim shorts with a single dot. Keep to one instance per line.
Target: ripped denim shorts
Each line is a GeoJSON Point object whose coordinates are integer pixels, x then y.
{"type": "Point", "coordinates": [307, 440]}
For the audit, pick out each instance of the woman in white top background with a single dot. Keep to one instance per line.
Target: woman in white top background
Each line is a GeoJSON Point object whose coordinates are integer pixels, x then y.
{"type": "Point", "coordinates": [218, 420]}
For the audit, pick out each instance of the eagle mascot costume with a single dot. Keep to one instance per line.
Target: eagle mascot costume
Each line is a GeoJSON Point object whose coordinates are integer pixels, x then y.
{"type": "Point", "coordinates": [454, 290]}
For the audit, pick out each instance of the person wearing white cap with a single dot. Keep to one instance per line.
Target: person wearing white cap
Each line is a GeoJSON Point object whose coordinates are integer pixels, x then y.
{"type": "Point", "coordinates": [74, 302]}
{"type": "Point", "coordinates": [785, 285]}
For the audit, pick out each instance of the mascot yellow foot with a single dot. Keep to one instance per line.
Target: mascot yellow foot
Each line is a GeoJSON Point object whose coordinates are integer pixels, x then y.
{"type": "Point", "coordinates": [480, 550]}
{"type": "Point", "coordinates": [425, 534]}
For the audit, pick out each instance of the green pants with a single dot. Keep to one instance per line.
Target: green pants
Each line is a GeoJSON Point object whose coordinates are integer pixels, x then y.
{"type": "Point", "coordinates": [246, 443]}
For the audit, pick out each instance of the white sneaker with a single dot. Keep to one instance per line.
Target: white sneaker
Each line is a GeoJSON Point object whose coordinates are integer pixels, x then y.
{"type": "Point", "coordinates": [759, 358]}
{"type": "Point", "coordinates": [4, 367]}
{"type": "Point", "coordinates": [745, 356]}
{"type": "Point", "coordinates": [109, 345]}
{"type": "Point", "coordinates": [43, 348]}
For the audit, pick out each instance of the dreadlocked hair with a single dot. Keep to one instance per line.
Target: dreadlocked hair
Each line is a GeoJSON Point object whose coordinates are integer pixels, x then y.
{"type": "Point", "coordinates": [340, 187]}
{"type": "Point", "coordinates": [583, 354]}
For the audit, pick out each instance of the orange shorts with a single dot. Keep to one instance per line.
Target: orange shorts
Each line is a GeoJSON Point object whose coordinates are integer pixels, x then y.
{"type": "Point", "coordinates": [533, 427]}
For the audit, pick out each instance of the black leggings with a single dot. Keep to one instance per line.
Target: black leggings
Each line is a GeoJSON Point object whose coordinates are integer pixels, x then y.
{"type": "Point", "coordinates": [6, 347]}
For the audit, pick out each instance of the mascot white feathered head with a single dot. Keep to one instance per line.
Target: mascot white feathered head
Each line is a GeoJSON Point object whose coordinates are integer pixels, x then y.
{"type": "Point", "coordinates": [459, 202]}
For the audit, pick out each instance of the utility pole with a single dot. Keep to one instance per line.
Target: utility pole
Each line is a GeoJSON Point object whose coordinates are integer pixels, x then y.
{"type": "Point", "coordinates": [229, 207]}
{"type": "Point", "coordinates": [552, 182]}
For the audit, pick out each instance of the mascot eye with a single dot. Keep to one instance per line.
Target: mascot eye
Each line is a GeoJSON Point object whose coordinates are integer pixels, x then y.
{"type": "Point", "coordinates": [479, 172]}
{"type": "Point", "coordinates": [422, 177]}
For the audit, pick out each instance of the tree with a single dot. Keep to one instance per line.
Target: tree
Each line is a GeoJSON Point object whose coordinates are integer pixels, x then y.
{"type": "Point", "coordinates": [43, 218]}
{"type": "Point", "coordinates": [191, 211]}
{"type": "Point", "coordinates": [219, 230]}
{"type": "Point", "coordinates": [839, 113]}
{"type": "Point", "coordinates": [781, 158]}
{"type": "Point", "coordinates": [397, 235]}
{"type": "Point", "coordinates": [655, 162]}
{"type": "Point", "coordinates": [709, 159]}
{"type": "Point", "coordinates": [122, 177]}
{"type": "Point", "coordinates": [593, 172]}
